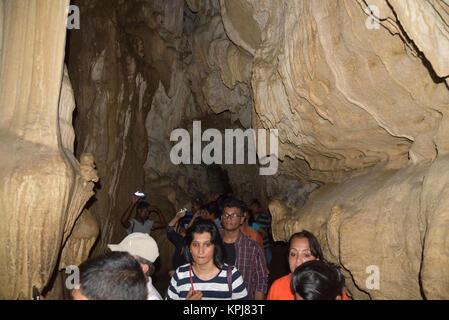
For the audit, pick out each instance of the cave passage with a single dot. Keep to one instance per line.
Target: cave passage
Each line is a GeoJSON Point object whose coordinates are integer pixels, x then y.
{"type": "Point", "coordinates": [332, 114]}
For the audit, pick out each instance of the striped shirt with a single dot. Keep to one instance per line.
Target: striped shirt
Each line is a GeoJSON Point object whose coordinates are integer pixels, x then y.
{"type": "Point", "coordinates": [214, 289]}
{"type": "Point", "coordinates": [250, 261]}
{"type": "Point", "coordinates": [264, 221]}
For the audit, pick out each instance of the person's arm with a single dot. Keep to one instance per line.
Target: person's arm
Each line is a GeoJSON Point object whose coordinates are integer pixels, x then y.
{"type": "Point", "coordinates": [239, 291]}
{"type": "Point", "coordinates": [260, 276]}
{"type": "Point", "coordinates": [127, 214]}
{"type": "Point", "coordinates": [172, 235]}
{"type": "Point", "coordinates": [179, 215]}
{"type": "Point", "coordinates": [259, 295]}
{"type": "Point", "coordinates": [195, 215]}
{"type": "Point", "coordinates": [161, 223]}
{"type": "Point", "coordinates": [172, 291]}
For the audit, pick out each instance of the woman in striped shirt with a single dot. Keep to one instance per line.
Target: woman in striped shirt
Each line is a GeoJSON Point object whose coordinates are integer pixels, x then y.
{"type": "Point", "coordinates": [206, 276]}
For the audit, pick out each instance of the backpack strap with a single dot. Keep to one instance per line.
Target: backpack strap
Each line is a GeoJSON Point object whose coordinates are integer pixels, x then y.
{"type": "Point", "coordinates": [229, 278]}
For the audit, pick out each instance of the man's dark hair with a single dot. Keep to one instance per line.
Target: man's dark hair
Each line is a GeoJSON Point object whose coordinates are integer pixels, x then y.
{"type": "Point", "coordinates": [213, 208]}
{"type": "Point", "coordinates": [250, 218]}
{"type": "Point", "coordinates": [200, 226]}
{"type": "Point", "coordinates": [317, 280]}
{"type": "Point", "coordinates": [198, 201]}
{"type": "Point", "coordinates": [233, 203]}
{"type": "Point", "coordinates": [151, 266]}
{"type": "Point", "coordinates": [142, 205]}
{"type": "Point", "coordinates": [314, 245]}
{"type": "Point", "coordinates": [113, 276]}
{"type": "Point", "coordinates": [256, 202]}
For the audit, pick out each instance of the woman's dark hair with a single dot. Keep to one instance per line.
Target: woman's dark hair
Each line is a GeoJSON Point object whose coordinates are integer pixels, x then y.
{"type": "Point", "coordinates": [317, 280]}
{"type": "Point", "coordinates": [314, 245]}
{"type": "Point", "coordinates": [113, 276]}
{"type": "Point", "coordinates": [151, 266]}
{"type": "Point", "coordinates": [200, 226]}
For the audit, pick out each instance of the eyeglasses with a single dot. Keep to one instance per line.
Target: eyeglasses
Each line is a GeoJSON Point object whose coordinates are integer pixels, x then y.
{"type": "Point", "coordinates": [233, 215]}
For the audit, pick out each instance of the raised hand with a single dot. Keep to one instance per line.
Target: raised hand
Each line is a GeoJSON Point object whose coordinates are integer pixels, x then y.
{"type": "Point", "coordinates": [181, 213]}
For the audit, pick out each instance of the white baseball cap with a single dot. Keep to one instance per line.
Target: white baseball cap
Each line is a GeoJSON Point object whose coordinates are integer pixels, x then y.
{"type": "Point", "coordinates": [140, 244]}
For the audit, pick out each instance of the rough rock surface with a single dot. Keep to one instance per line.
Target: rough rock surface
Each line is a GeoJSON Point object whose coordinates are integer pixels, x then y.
{"type": "Point", "coordinates": [358, 90]}
{"type": "Point", "coordinates": [144, 69]}
{"type": "Point", "coordinates": [362, 112]}
{"type": "Point", "coordinates": [42, 191]}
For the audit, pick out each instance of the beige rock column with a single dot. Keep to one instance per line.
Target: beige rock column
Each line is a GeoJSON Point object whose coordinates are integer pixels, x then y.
{"type": "Point", "coordinates": [38, 201]}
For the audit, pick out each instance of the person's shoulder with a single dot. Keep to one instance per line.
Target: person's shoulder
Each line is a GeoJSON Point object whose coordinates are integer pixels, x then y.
{"type": "Point", "coordinates": [283, 280]}
{"type": "Point", "coordinates": [181, 274]}
{"type": "Point", "coordinates": [230, 267]}
{"type": "Point", "coordinates": [183, 268]}
{"type": "Point", "coordinates": [256, 234]}
{"type": "Point", "coordinates": [182, 271]}
{"type": "Point", "coordinates": [248, 241]}
{"type": "Point", "coordinates": [280, 289]}
{"type": "Point", "coordinates": [244, 238]}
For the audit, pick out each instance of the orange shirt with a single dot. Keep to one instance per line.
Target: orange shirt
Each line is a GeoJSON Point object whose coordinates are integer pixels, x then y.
{"type": "Point", "coordinates": [281, 290]}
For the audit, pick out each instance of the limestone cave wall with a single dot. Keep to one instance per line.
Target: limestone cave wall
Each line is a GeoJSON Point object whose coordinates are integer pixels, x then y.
{"type": "Point", "coordinates": [141, 69]}
{"type": "Point", "coordinates": [358, 91]}
{"type": "Point", "coordinates": [43, 186]}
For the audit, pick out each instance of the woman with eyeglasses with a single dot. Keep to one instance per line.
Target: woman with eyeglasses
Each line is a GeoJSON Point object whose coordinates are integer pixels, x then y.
{"type": "Point", "coordinates": [303, 247]}
{"type": "Point", "coordinates": [206, 276]}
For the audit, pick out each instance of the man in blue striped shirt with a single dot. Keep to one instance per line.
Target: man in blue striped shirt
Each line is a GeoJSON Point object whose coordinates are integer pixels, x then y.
{"type": "Point", "coordinates": [264, 222]}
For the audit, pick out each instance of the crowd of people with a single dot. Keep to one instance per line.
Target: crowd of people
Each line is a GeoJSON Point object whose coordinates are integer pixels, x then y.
{"type": "Point", "coordinates": [222, 252]}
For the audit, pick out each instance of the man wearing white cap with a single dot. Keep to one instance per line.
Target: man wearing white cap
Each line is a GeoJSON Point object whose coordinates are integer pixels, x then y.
{"type": "Point", "coordinates": [144, 249]}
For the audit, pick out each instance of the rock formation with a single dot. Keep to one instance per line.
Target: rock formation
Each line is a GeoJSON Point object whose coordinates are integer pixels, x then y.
{"type": "Point", "coordinates": [145, 69]}
{"type": "Point", "coordinates": [42, 191]}
{"type": "Point", "coordinates": [358, 91]}
{"type": "Point", "coordinates": [363, 112]}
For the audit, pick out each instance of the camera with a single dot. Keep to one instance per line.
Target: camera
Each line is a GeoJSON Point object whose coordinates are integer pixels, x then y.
{"type": "Point", "coordinates": [185, 221]}
{"type": "Point", "coordinates": [140, 194]}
